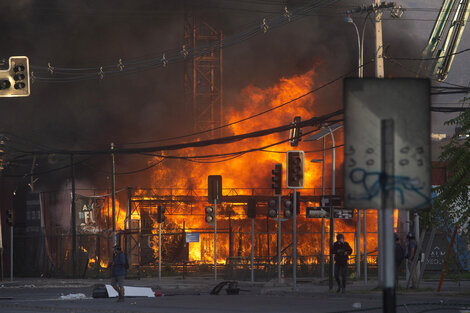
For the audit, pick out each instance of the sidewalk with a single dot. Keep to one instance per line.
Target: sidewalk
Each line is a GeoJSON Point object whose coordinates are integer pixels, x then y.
{"type": "Point", "coordinates": [203, 285]}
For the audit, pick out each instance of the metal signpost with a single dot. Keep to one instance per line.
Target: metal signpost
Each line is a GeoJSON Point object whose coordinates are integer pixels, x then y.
{"type": "Point", "coordinates": [295, 180]}
{"type": "Point", "coordinates": [321, 134]}
{"type": "Point", "coordinates": [159, 251]}
{"type": "Point", "coordinates": [387, 156]}
{"type": "Point", "coordinates": [252, 249]}
{"type": "Point", "coordinates": [215, 239]}
{"type": "Point", "coordinates": [279, 231]}
{"type": "Point", "coordinates": [214, 193]}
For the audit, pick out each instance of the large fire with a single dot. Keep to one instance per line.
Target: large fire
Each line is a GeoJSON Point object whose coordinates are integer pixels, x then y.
{"type": "Point", "coordinates": [248, 174]}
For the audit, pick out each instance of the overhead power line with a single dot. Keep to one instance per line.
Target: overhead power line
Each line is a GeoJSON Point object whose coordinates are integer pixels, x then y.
{"type": "Point", "coordinates": [449, 109]}
{"type": "Point", "coordinates": [428, 59]}
{"type": "Point", "coordinates": [52, 73]}
{"type": "Point", "coordinates": [255, 115]}
{"type": "Point", "coordinates": [224, 140]}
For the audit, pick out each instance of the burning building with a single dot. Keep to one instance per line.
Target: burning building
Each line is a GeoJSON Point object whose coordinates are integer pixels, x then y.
{"type": "Point", "coordinates": [181, 188]}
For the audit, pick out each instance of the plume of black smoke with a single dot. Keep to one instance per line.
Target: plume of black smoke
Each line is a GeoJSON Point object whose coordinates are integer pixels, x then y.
{"type": "Point", "coordinates": [150, 104]}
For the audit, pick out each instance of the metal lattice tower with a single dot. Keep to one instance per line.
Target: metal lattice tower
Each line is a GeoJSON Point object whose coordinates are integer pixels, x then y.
{"type": "Point", "coordinates": [203, 74]}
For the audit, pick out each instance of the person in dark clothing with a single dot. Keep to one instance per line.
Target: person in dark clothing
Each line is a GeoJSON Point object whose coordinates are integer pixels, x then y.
{"type": "Point", "coordinates": [119, 272]}
{"type": "Point", "coordinates": [411, 247]}
{"type": "Point", "coordinates": [341, 250]}
{"type": "Point", "coordinates": [399, 256]}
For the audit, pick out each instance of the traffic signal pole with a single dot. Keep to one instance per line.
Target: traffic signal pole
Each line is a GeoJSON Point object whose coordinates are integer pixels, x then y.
{"type": "Point", "coordinates": [252, 248]}
{"type": "Point", "coordinates": [294, 239]}
{"type": "Point", "coordinates": [294, 180]}
{"type": "Point", "coordinates": [215, 239]}
{"type": "Point", "coordinates": [279, 238]}
{"type": "Point", "coordinates": [159, 251]}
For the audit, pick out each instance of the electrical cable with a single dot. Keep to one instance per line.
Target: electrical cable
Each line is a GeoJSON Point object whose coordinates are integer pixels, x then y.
{"type": "Point", "coordinates": [449, 109]}
{"type": "Point", "coordinates": [430, 59]}
{"type": "Point", "coordinates": [224, 140]}
{"type": "Point", "coordinates": [416, 73]}
{"type": "Point", "coordinates": [129, 172]}
{"type": "Point", "coordinates": [308, 151]}
{"type": "Point", "coordinates": [49, 171]}
{"type": "Point", "coordinates": [64, 74]}
{"type": "Point", "coordinates": [228, 154]}
{"type": "Point", "coordinates": [255, 115]}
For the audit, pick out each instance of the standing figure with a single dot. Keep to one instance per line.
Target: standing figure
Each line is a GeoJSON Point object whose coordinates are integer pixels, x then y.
{"type": "Point", "coordinates": [119, 272]}
{"type": "Point", "coordinates": [399, 256]}
{"type": "Point", "coordinates": [341, 250]}
{"type": "Point", "coordinates": [411, 247]}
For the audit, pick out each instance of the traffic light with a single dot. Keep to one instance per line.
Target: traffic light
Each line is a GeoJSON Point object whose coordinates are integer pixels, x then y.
{"type": "Point", "coordinates": [288, 207]}
{"type": "Point", "coordinates": [251, 208]}
{"type": "Point", "coordinates": [10, 218]}
{"type": "Point", "coordinates": [14, 82]}
{"type": "Point", "coordinates": [214, 188]}
{"type": "Point", "coordinates": [289, 204]}
{"type": "Point", "coordinates": [161, 214]}
{"type": "Point", "coordinates": [272, 209]}
{"type": "Point", "coordinates": [277, 179]}
{"type": "Point", "coordinates": [295, 133]}
{"type": "Point", "coordinates": [209, 214]}
{"type": "Point", "coordinates": [297, 201]}
{"type": "Point", "coordinates": [295, 169]}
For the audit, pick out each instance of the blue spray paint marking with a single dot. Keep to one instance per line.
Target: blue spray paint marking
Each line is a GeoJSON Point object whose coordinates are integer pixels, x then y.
{"type": "Point", "coordinates": [372, 183]}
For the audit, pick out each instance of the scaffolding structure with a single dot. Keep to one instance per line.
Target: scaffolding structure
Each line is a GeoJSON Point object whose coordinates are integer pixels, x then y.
{"type": "Point", "coordinates": [203, 74]}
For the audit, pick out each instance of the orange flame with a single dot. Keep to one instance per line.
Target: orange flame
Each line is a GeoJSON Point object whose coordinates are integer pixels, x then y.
{"type": "Point", "coordinates": [251, 170]}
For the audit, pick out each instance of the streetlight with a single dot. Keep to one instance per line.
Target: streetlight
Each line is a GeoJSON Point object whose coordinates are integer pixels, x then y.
{"type": "Point", "coordinates": [321, 135]}
{"type": "Point", "coordinates": [349, 19]}
{"type": "Point", "coordinates": [360, 42]}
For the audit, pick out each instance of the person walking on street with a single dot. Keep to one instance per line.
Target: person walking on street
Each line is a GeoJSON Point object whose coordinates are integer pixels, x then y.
{"type": "Point", "coordinates": [341, 250]}
{"type": "Point", "coordinates": [399, 256]}
{"type": "Point", "coordinates": [410, 255]}
{"type": "Point", "coordinates": [119, 266]}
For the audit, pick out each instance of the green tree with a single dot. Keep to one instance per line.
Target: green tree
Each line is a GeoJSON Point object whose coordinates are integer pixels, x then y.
{"type": "Point", "coordinates": [452, 203]}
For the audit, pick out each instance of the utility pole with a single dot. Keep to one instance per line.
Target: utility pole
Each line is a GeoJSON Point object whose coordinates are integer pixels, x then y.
{"type": "Point", "coordinates": [378, 7]}
{"type": "Point", "coordinates": [379, 57]}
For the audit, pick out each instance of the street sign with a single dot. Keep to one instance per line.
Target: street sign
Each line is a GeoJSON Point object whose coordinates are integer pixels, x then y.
{"type": "Point", "coordinates": [343, 213]}
{"type": "Point", "coordinates": [369, 103]}
{"type": "Point", "coordinates": [331, 200]}
{"type": "Point", "coordinates": [324, 212]}
{"type": "Point", "coordinates": [316, 212]}
{"type": "Point", "coordinates": [192, 237]}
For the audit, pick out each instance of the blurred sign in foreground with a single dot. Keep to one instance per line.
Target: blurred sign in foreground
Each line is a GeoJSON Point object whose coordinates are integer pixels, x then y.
{"type": "Point", "coordinates": [368, 102]}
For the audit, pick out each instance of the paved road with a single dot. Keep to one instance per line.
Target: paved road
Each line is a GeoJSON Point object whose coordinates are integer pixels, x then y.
{"type": "Point", "coordinates": [193, 296]}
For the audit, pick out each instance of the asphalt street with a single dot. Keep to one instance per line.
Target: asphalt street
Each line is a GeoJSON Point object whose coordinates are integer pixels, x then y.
{"type": "Point", "coordinates": [45, 295]}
